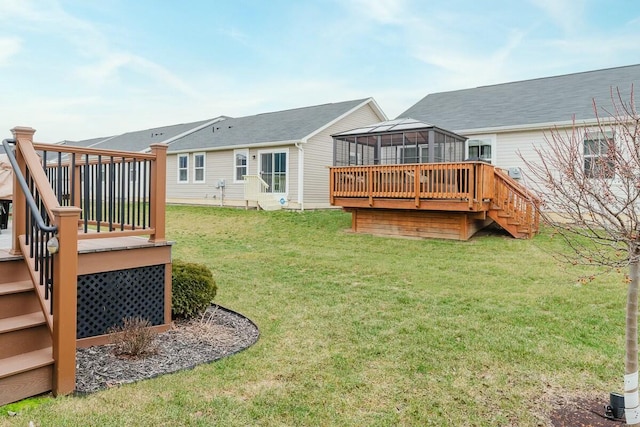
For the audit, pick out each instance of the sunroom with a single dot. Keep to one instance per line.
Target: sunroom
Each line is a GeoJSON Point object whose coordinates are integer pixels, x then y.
{"type": "Point", "coordinates": [397, 141]}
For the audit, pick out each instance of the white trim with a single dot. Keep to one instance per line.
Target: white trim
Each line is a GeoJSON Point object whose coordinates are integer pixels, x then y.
{"type": "Point", "coordinates": [186, 155]}
{"type": "Point", "coordinates": [531, 126]}
{"type": "Point", "coordinates": [244, 151]}
{"type": "Point", "coordinates": [235, 147]}
{"type": "Point", "coordinates": [300, 176]}
{"type": "Point", "coordinates": [204, 168]}
{"type": "Point", "coordinates": [287, 172]}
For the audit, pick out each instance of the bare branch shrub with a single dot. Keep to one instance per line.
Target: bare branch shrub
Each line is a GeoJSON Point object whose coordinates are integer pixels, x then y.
{"type": "Point", "coordinates": [589, 180]}
{"type": "Point", "coordinates": [134, 338]}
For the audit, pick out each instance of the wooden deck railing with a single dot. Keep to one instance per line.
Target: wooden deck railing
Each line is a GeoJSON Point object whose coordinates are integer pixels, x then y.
{"type": "Point", "coordinates": [469, 181]}
{"type": "Point", "coordinates": [82, 193]}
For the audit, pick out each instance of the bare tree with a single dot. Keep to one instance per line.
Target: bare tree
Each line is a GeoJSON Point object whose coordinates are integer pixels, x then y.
{"type": "Point", "coordinates": [589, 180]}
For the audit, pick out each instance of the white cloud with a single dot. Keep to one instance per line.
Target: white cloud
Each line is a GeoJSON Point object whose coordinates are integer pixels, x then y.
{"type": "Point", "coordinates": [382, 11]}
{"type": "Point", "coordinates": [9, 47]}
{"type": "Point", "coordinates": [566, 14]}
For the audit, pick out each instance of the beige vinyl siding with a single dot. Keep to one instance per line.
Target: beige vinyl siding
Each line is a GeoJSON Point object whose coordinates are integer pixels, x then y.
{"type": "Point", "coordinates": [220, 165]}
{"type": "Point", "coordinates": [318, 156]}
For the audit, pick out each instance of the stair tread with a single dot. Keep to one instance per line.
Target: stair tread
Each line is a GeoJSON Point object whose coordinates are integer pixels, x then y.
{"type": "Point", "coordinates": [16, 287]}
{"type": "Point", "coordinates": [26, 362]}
{"type": "Point", "coordinates": [21, 322]}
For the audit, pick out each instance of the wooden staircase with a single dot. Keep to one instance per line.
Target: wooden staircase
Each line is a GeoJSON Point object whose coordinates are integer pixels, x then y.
{"type": "Point", "coordinates": [26, 357]}
{"type": "Point", "coordinates": [513, 207]}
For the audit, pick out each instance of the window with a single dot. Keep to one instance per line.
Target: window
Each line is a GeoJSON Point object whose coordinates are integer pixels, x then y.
{"type": "Point", "coordinates": [240, 164]}
{"type": "Point", "coordinates": [597, 163]}
{"type": "Point", "coordinates": [273, 170]}
{"type": "Point", "coordinates": [480, 149]}
{"type": "Point", "coordinates": [183, 168]}
{"type": "Point", "coordinates": [198, 167]}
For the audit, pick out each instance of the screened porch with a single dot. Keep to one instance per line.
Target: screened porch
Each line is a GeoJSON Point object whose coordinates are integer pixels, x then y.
{"type": "Point", "coordinates": [398, 141]}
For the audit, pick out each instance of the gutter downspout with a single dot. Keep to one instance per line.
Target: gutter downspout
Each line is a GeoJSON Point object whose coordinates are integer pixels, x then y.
{"type": "Point", "coordinates": [300, 174]}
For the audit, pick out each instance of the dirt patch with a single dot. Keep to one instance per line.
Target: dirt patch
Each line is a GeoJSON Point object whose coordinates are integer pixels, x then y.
{"type": "Point", "coordinates": [219, 333]}
{"type": "Point", "coordinates": [582, 412]}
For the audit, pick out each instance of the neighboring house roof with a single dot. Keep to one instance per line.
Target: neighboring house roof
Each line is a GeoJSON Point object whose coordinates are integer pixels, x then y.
{"type": "Point", "coordinates": [285, 127]}
{"type": "Point", "coordinates": [538, 101]}
{"type": "Point", "coordinates": [140, 140]}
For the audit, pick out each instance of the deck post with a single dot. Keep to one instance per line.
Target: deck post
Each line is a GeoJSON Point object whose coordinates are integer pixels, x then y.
{"type": "Point", "coordinates": [370, 185]}
{"type": "Point", "coordinates": [417, 181]}
{"type": "Point", "coordinates": [332, 184]}
{"type": "Point", "coordinates": [158, 192]}
{"type": "Point", "coordinates": [22, 135]}
{"type": "Point", "coordinates": [65, 295]}
{"type": "Point", "coordinates": [77, 190]}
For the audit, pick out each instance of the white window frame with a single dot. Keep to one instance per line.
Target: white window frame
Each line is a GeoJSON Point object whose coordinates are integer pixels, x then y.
{"type": "Point", "coordinates": [600, 137]}
{"type": "Point", "coordinates": [287, 175]}
{"type": "Point", "coordinates": [244, 152]}
{"type": "Point", "coordinates": [186, 180]}
{"type": "Point", "coordinates": [482, 140]}
{"type": "Point", "coordinates": [196, 168]}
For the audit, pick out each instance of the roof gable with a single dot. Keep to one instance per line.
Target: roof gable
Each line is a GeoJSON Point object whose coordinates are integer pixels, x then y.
{"type": "Point", "coordinates": [544, 100]}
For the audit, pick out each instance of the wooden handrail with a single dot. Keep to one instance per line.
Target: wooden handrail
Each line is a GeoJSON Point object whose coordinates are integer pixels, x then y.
{"type": "Point", "coordinates": [53, 272]}
{"type": "Point", "coordinates": [69, 149]}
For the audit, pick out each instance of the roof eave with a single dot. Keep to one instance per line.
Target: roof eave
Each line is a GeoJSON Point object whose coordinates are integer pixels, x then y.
{"type": "Point", "coordinates": [235, 147]}
{"type": "Point", "coordinates": [526, 127]}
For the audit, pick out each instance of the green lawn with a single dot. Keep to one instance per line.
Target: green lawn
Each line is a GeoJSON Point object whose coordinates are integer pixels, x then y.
{"type": "Point", "coordinates": [362, 330]}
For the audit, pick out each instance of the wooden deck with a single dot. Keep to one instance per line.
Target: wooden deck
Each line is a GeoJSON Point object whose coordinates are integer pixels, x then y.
{"type": "Point", "coordinates": [85, 249]}
{"type": "Point", "coordinates": [440, 200]}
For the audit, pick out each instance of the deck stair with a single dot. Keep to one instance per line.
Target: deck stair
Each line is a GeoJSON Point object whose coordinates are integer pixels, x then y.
{"type": "Point", "coordinates": [513, 207]}
{"type": "Point", "coordinates": [267, 202]}
{"type": "Point", "coordinates": [26, 357]}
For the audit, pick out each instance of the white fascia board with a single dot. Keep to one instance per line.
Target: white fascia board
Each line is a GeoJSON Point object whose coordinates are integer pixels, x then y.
{"type": "Point", "coordinates": [532, 126]}
{"type": "Point", "coordinates": [371, 101]}
{"type": "Point", "coordinates": [235, 147]}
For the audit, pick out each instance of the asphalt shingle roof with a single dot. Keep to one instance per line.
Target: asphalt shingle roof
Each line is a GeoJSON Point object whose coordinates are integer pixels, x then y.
{"type": "Point", "coordinates": [224, 131]}
{"type": "Point", "coordinates": [287, 125]}
{"type": "Point", "coordinates": [544, 100]}
{"type": "Point", "coordinates": [138, 140]}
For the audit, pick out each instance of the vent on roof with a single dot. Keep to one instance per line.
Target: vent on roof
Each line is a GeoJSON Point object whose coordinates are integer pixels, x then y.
{"type": "Point", "coordinates": [156, 134]}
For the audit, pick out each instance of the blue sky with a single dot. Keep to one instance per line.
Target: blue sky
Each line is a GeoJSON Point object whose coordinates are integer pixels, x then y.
{"type": "Point", "coordinates": [79, 69]}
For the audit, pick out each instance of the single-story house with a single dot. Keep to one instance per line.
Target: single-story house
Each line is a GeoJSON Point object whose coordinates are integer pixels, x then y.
{"type": "Point", "coordinates": [503, 120]}
{"type": "Point", "coordinates": [285, 153]}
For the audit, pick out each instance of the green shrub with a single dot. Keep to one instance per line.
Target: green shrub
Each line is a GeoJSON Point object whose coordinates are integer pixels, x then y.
{"type": "Point", "coordinates": [193, 289]}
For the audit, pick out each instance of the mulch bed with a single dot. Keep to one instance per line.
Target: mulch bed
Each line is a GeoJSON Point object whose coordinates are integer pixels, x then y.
{"type": "Point", "coordinates": [218, 333]}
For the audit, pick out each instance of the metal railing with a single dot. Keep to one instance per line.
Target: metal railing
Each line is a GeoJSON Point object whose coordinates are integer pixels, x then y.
{"type": "Point", "coordinates": [113, 189]}
{"type": "Point", "coordinates": [39, 228]}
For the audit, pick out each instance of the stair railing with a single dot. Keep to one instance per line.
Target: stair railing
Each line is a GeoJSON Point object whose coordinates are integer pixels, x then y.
{"type": "Point", "coordinates": [516, 201]}
{"type": "Point", "coordinates": [45, 233]}
{"type": "Point", "coordinates": [254, 188]}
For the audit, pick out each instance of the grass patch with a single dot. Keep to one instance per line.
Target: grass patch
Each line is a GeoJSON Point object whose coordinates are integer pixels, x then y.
{"type": "Point", "coordinates": [362, 330]}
